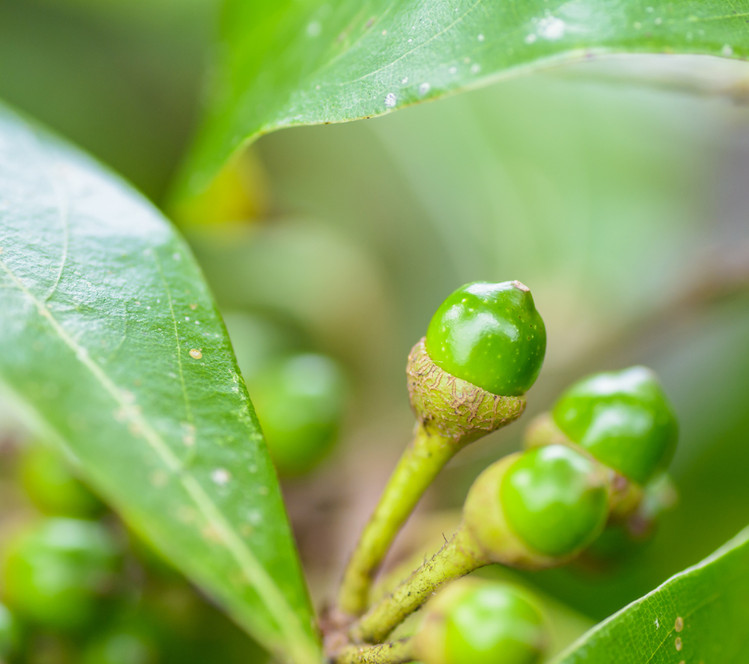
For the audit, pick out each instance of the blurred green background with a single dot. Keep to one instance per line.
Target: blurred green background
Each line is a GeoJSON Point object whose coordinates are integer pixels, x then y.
{"type": "Point", "coordinates": [620, 201]}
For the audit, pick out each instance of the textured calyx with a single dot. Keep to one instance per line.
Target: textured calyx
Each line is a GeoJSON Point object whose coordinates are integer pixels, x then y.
{"type": "Point", "coordinates": [453, 407]}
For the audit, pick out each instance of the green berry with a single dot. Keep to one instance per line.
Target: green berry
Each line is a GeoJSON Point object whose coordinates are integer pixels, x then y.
{"type": "Point", "coordinates": [489, 335]}
{"type": "Point", "coordinates": [52, 487]}
{"type": "Point", "coordinates": [124, 644]}
{"type": "Point", "coordinates": [623, 419]}
{"type": "Point", "coordinates": [481, 623]}
{"type": "Point", "coordinates": [10, 633]}
{"type": "Point", "coordinates": [300, 402]}
{"type": "Point", "coordinates": [56, 574]}
{"type": "Point", "coordinates": [555, 500]}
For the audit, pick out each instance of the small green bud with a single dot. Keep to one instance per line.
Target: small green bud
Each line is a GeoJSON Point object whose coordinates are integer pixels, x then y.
{"type": "Point", "coordinates": [538, 508]}
{"type": "Point", "coordinates": [481, 623]}
{"type": "Point", "coordinates": [489, 335]}
{"type": "Point", "coordinates": [55, 575]}
{"type": "Point", "coordinates": [52, 487]}
{"type": "Point", "coordinates": [300, 401]}
{"type": "Point", "coordinates": [621, 418]}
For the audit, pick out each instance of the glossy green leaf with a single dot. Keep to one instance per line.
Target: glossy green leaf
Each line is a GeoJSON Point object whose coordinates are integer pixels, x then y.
{"type": "Point", "coordinates": [699, 615]}
{"type": "Point", "coordinates": [307, 62]}
{"type": "Point", "coordinates": [111, 344]}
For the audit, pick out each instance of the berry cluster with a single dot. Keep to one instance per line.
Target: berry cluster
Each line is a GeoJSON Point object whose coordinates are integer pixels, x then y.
{"type": "Point", "coordinates": [594, 463]}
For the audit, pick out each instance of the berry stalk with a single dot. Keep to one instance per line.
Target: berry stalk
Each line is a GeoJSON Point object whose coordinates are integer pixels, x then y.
{"type": "Point", "coordinates": [396, 652]}
{"type": "Point", "coordinates": [458, 557]}
{"type": "Point", "coordinates": [421, 462]}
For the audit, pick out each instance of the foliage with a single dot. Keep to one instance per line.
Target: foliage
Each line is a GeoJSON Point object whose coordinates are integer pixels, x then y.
{"type": "Point", "coordinates": [113, 344]}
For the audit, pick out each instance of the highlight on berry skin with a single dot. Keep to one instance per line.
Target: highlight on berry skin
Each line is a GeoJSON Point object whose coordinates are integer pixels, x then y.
{"type": "Point", "coordinates": [490, 335]}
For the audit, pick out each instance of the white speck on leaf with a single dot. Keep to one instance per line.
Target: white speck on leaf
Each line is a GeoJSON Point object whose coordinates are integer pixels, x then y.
{"type": "Point", "coordinates": [404, 80]}
{"type": "Point", "coordinates": [551, 28]}
{"type": "Point", "coordinates": [424, 88]}
{"type": "Point", "coordinates": [390, 100]}
{"type": "Point", "coordinates": [475, 68]}
{"type": "Point", "coordinates": [529, 39]}
{"type": "Point", "coordinates": [220, 476]}
{"type": "Point", "coordinates": [314, 28]}
{"type": "Point", "coordinates": [159, 478]}
{"type": "Point", "coordinates": [480, 38]}
{"type": "Point", "coordinates": [255, 517]}
{"type": "Point", "coordinates": [727, 50]}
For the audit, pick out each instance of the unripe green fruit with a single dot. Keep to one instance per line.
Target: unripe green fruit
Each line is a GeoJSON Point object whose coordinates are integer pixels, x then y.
{"type": "Point", "coordinates": [623, 419]}
{"type": "Point", "coordinates": [126, 644]}
{"type": "Point", "coordinates": [53, 488]}
{"type": "Point", "coordinates": [555, 499]}
{"type": "Point", "coordinates": [55, 575]}
{"type": "Point", "coordinates": [10, 633]}
{"type": "Point", "coordinates": [538, 508]}
{"type": "Point", "coordinates": [489, 335]}
{"type": "Point", "coordinates": [300, 402]}
{"type": "Point", "coordinates": [481, 623]}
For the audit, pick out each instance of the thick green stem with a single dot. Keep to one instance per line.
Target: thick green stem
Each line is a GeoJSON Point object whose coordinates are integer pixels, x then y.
{"type": "Point", "coordinates": [456, 558]}
{"type": "Point", "coordinates": [421, 462]}
{"type": "Point", "coordinates": [397, 652]}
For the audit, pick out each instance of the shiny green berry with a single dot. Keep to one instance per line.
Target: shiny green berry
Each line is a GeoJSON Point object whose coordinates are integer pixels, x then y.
{"type": "Point", "coordinates": [623, 419]}
{"type": "Point", "coordinates": [300, 402]}
{"type": "Point", "coordinates": [481, 623]}
{"type": "Point", "coordinates": [489, 335]}
{"type": "Point", "coordinates": [555, 500]}
{"type": "Point", "coordinates": [52, 487]}
{"type": "Point", "coordinates": [56, 574]}
{"type": "Point", "coordinates": [10, 633]}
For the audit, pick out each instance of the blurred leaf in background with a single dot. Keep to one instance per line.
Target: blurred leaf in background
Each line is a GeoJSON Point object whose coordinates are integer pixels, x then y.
{"type": "Point", "coordinates": [614, 201]}
{"type": "Point", "coordinates": [120, 79]}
